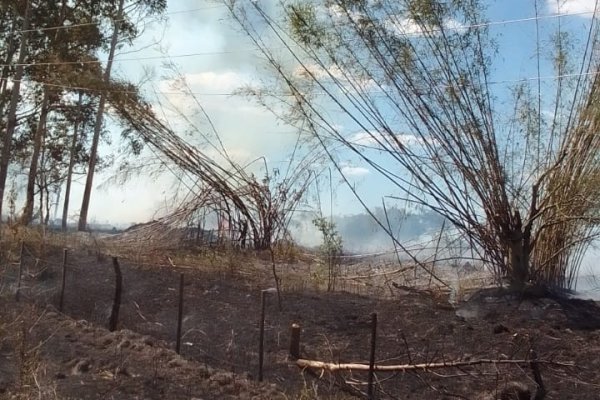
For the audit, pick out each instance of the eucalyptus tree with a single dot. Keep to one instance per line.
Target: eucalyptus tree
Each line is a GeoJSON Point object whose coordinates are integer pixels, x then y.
{"type": "Point", "coordinates": [54, 47]}
{"type": "Point", "coordinates": [79, 115]}
{"type": "Point", "coordinates": [10, 23]}
{"type": "Point", "coordinates": [20, 13]}
{"type": "Point", "coordinates": [123, 29]}
{"type": "Point", "coordinates": [407, 86]}
{"type": "Point", "coordinates": [42, 47]}
{"type": "Point", "coordinates": [60, 56]}
{"type": "Point", "coordinates": [62, 155]}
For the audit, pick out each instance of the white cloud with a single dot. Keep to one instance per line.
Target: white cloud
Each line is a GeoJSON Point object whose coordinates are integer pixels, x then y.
{"type": "Point", "coordinates": [338, 13]}
{"type": "Point", "coordinates": [365, 139]}
{"type": "Point", "coordinates": [348, 79]}
{"type": "Point", "coordinates": [221, 82]}
{"type": "Point", "coordinates": [403, 26]}
{"type": "Point", "coordinates": [378, 140]}
{"type": "Point", "coordinates": [354, 171]}
{"type": "Point", "coordinates": [209, 82]}
{"type": "Point", "coordinates": [584, 7]}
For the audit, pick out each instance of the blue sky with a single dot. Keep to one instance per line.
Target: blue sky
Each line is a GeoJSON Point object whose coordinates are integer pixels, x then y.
{"type": "Point", "coordinates": [217, 59]}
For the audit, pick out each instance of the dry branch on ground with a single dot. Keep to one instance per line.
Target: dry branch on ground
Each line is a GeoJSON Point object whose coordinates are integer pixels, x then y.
{"type": "Point", "coordinates": [328, 366]}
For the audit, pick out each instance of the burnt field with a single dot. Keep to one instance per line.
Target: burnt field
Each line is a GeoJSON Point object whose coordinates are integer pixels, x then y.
{"type": "Point", "coordinates": [491, 336]}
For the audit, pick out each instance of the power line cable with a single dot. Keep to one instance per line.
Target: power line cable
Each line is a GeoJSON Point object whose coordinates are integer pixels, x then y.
{"type": "Point", "coordinates": [89, 89]}
{"type": "Point", "coordinates": [225, 94]}
{"type": "Point", "coordinates": [450, 28]}
{"type": "Point", "coordinates": [117, 60]}
{"type": "Point", "coordinates": [210, 53]}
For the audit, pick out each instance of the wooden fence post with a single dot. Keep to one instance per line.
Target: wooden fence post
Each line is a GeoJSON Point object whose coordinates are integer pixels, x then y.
{"type": "Point", "coordinates": [17, 293]}
{"type": "Point", "coordinates": [62, 286]}
{"type": "Point", "coordinates": [179, 315]}
{"type": "Point", "coordinates": [261, 343]}
{"type": "Point", "coordinates": [370, 392]}
{"type": "Point", "coordinates": [114, 315]}
{"type": "Point", "coordinates": [295, 341]}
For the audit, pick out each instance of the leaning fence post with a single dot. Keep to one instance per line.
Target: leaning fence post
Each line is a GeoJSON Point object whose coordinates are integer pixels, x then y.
{"type": "Point", "coordinates": [261, 343]}
{"type": "Point", "coordinates": [20, 272]}
{"type": "Point", "coordinates": [62, 286]}
{"type": "Point", "coordinates": [179, 315]}
{"type": "Point", "coordinates": [114, 315]}
{"type": "Point", "coordinates": [370, 394]}
{"type": "Point", "coordinates": [295, 341]}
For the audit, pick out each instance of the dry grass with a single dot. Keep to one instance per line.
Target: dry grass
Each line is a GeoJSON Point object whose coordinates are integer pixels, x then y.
{"type": "Point", "coordinates": [298, 268]}
{"type": "Point", "coordinates": [29, 377]}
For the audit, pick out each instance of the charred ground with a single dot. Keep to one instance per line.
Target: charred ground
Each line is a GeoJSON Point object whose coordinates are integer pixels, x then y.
{"type": "Point", "coordinates": [72, 355]}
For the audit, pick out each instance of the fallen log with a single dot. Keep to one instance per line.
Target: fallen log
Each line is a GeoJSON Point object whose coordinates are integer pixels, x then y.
{"type": "Point", "coordinates": [302, 363]}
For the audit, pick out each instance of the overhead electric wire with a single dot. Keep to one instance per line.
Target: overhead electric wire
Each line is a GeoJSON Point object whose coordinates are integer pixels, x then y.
{"type": "Point", "coordinates": [460, 27]}
{"type": "Point", "coordinates": [197, 54]}
{"type": "Point", "coordinates": [116, 60]}
{"type": "Point", "coordinates": [225, 94]}
{"type": "Point", "coordinates": [209, 53]}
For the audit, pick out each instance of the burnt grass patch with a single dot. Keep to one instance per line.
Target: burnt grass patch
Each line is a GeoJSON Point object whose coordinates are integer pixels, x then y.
{"type": "Point", "coordinates": [220, 334]}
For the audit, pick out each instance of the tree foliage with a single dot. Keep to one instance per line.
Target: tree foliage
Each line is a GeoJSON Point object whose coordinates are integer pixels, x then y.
{"type": "Point", "coordinates": [54, 47]}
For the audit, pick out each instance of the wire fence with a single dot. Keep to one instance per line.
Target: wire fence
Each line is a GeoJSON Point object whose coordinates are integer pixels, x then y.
{"type": "Point", "coordinates": [82, 284]}
{"type": "Point", "coordinates": [211, 319]}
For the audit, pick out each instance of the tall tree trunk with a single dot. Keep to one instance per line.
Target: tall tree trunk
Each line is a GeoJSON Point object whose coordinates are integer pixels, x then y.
{"type": "Point", "coordinates": [38, 138]}
{"type": "Point", "coordinates": [10, 53]}
{"type": "Point", "coordinates": [519, 250]}
{"type": "Point", "coordinates": [85, 204]}
{"type": "Point", "coordinates": [45, 187]}
{"type": "Point", "coordinates": [65, 213]}
{"type": "Point", "coordinates": [519, 262]}
{"type": "Point", "coordinates": [12, 109]}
